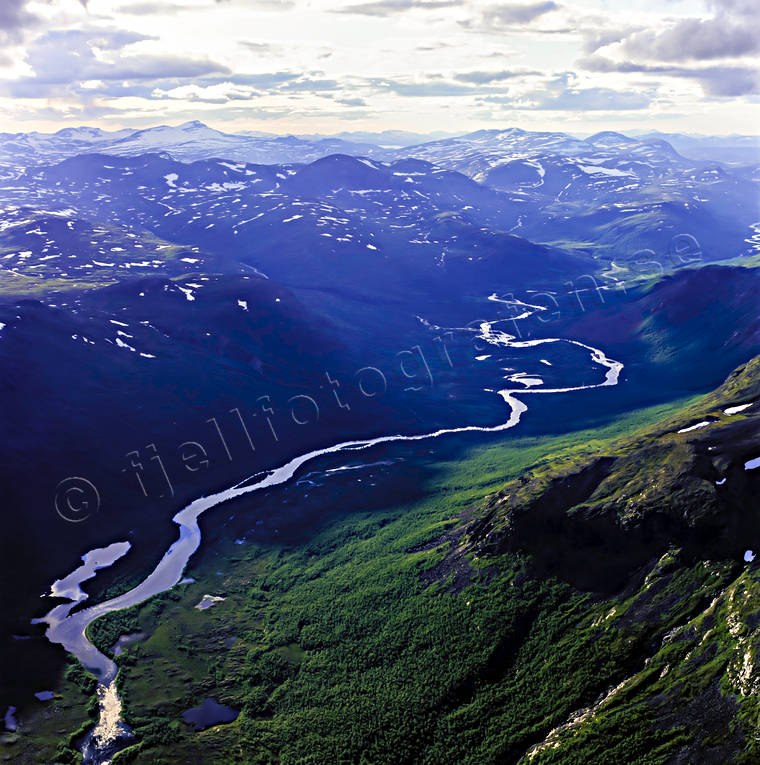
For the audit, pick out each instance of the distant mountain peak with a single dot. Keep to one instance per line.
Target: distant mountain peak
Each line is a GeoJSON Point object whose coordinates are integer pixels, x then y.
{"type": "Point", "coordinates": [609, 136]}
{"type": "Point", "coordinates": [79, 131]}
{"type": "Point", "coordinates": [194, 125]}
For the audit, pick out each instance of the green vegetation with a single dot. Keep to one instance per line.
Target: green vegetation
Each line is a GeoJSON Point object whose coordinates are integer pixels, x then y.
{"type": "Point", "coordinates": [105, 632]}
{"type": "Point", "coordinates": [80, 677]}
{"type": "Point", "coordinates": [13, 284]}
{"type": "Point", "coordinates": [399, 635]}
{"type": "Point", "coordinates": [59, 724]}
{"type": "Point", "coordinates": [73, 265]}
{"type": "Point", "coordinates": [365, 645]}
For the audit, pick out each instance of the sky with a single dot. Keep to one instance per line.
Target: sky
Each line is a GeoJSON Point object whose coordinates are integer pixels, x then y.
{"type": "Point", "coordinates": [331, 66]}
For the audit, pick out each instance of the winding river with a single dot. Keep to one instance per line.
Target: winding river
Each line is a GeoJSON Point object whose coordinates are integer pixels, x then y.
{"type": "Point", "coordinates": [69, 630]}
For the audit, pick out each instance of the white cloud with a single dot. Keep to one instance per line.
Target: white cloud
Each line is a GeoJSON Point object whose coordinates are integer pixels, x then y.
{"type": "Point", "coordinates": [311, 65]}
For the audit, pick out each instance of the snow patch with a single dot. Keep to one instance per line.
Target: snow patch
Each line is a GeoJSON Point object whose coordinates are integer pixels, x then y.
{"type": "Point", "coordinates": [208, 601]}
{"type": "Point", "coordinates": [737, 409]}
{"type": "Point", "coordinates": [611, 171]}
{"type": "Point", "coordinates": [696, 427]}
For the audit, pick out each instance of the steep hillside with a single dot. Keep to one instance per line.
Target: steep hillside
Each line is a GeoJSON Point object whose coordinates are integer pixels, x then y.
{"type": "Point", "coordinates": [682, 331]}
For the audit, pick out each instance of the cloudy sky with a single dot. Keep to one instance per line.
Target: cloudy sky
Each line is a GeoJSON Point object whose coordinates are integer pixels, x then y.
{"type": "Point", "coordinates": [328, 66]}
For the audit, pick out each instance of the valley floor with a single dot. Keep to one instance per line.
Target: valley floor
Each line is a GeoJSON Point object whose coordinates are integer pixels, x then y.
{"type": "Point", "coordinates": [389, 636]}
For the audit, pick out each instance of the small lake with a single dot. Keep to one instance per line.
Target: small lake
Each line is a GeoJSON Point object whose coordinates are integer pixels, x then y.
{"type": "Point", "coordinates": [209, 713]}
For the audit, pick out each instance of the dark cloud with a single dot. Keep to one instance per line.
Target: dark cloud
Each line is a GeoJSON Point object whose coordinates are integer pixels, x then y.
{"type": "Point", "coordinates": [429, 89]}
{"type": "Point", "coordinates": [14, 18]}
{"type": "Point", "coordinates": [588, 100]}
{"type": "Point", "coordinates": [64, 59]}
{"type": "Point", "coordinates": [72, 113]}
{"type": "Point", "coordinates": [514, 17]}
{"type": "Point", "coordinates": [390, 7]}
{"type": "Point", "coordinates": [152, 67]}
{"type": "Point", "coordinates": [733, 31]}
{"type": "Point", "coordinates": [738, 7]}
{"type": "Point", "coordinates": [678, 49]}
{"type": "Point", "coordinates": [729, 81]}
{"type": "Point", "coordinates": [483, 78]}
{"type": "Point", "coordinates": [696, 40]}
{"type": "Point", "coordinates": [246, 86]}
{"type": "Point", "coordinates": [474, 83]}
{"type": "Point", "coordinates": [720, 81]}
{"type": "Point", "coordinates": [558, 95]}
{"type": "Point", "coordinates": [309, 85]}
{"type": "Point", "coordinates": [264, 82]}
{"type": "Point", "coordinates": [516, 13]}
{"type": "Point", "coordinates": [563, 94]}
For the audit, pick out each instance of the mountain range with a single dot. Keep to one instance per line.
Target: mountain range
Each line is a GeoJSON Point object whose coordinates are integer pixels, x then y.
{"type": "Point", "coordinates": [184, 310]}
